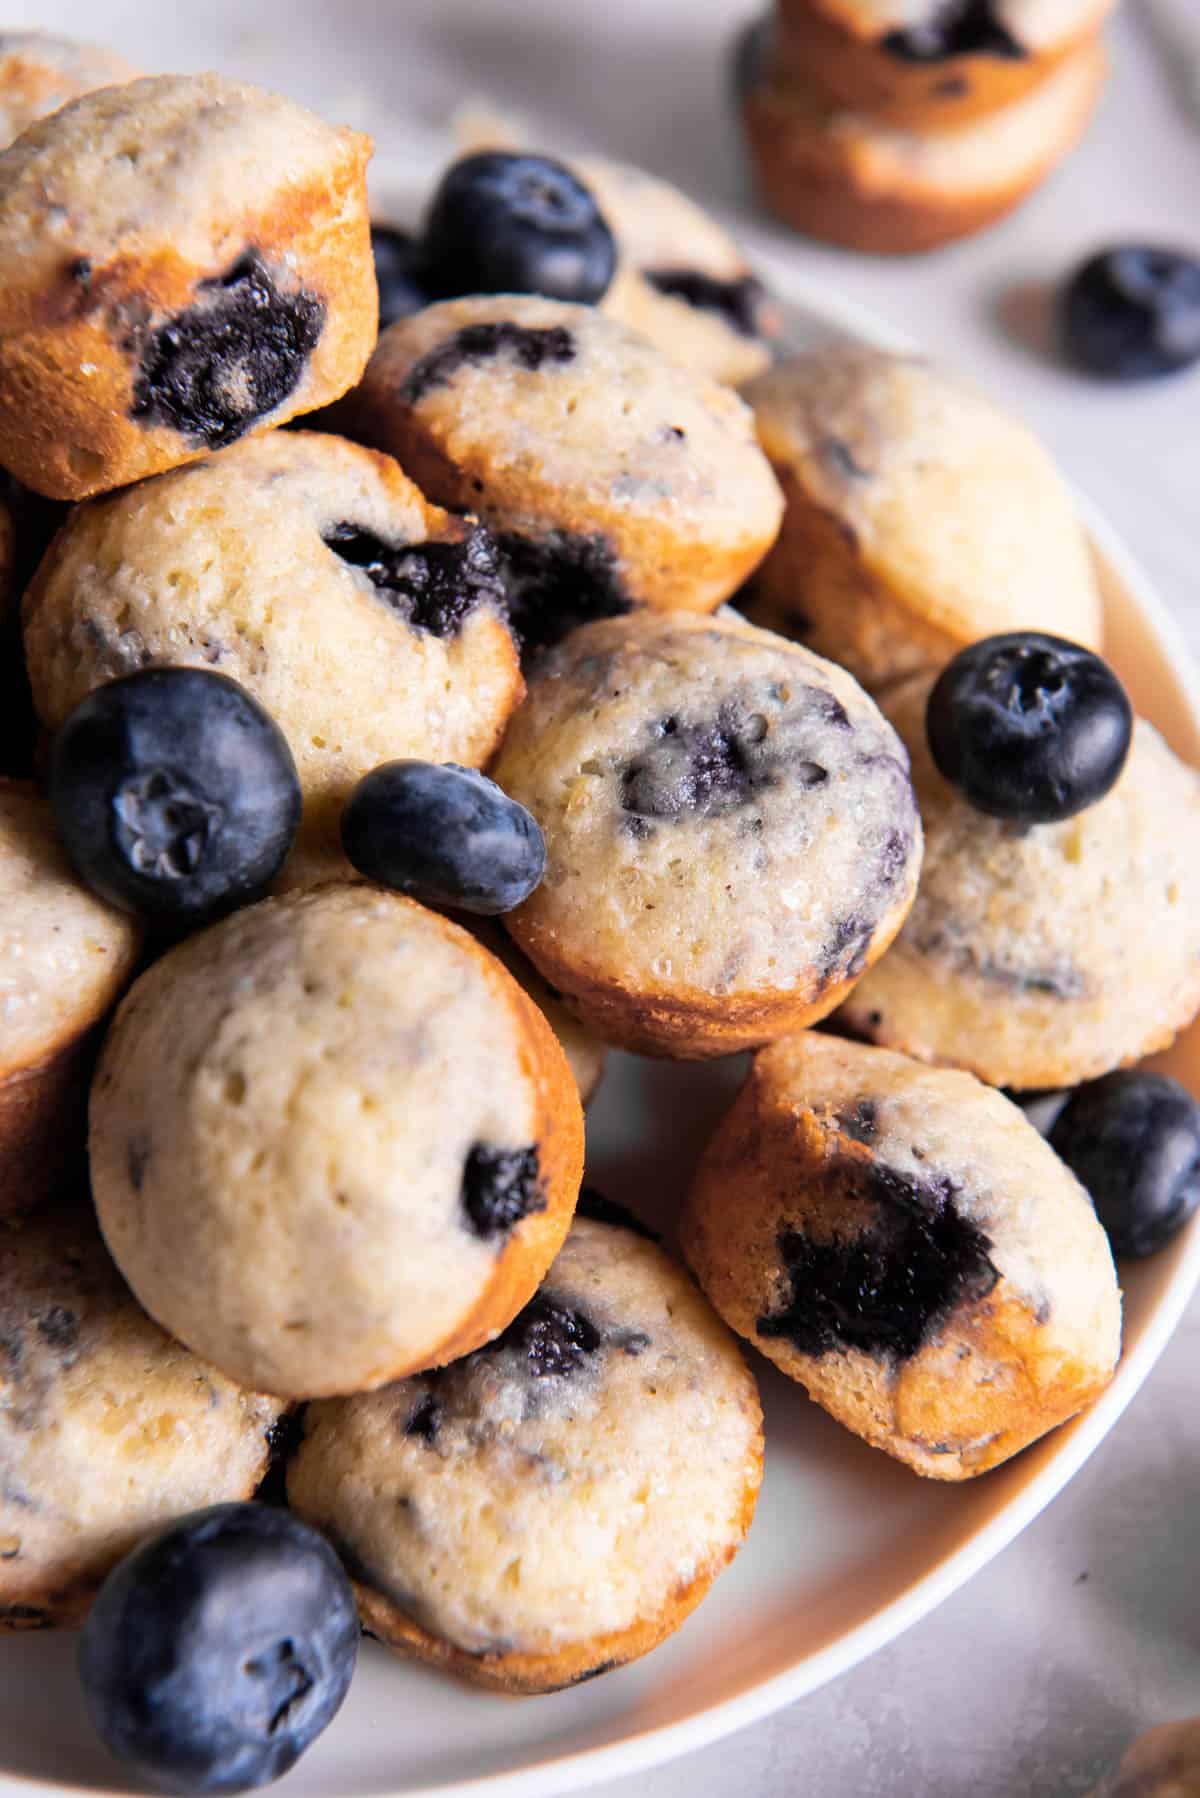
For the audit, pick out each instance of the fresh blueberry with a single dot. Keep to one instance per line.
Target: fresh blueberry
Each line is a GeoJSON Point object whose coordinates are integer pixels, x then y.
{"type": "Point", "coordinates": [443, 834]}
{"type": "Point", "coordinates": [219, 1650]}
{"type": "Point", "coordinates": [1133, 1139]}
{"type": "Point", "coordinates": [504, 223]}
{"type": "Point", "coordinates": [399, 274]}
{"type": "Point", "coordinates": [1133, 312]}
{"type": "Point", "coordinates": [175, 794]}
{"type": "Point", "coordinates": [1029, 727]}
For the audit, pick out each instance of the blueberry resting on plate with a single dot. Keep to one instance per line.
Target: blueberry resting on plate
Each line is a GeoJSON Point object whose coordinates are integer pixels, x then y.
{"type": "Point", "coordinates": [399, 274]}
{"type": "Point", "coordinates": [219, 1650]}
{"type": "Point", "coordinates": [1133, 312]}
{"type": "Point", "coordinates": [506, 223]}
{"type": "Point", "coordinates": [175, 794]}
{"type": "Point", "coordinates": [1133, 1139]}
{"type": "Point", "coordinates": [445, 835]}
{"type": "Point", "coordinates": [1029, 727]}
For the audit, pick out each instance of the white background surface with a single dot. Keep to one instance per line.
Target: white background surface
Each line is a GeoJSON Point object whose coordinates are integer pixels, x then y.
{"type": "Point", "coordinates": [1088, 1628]}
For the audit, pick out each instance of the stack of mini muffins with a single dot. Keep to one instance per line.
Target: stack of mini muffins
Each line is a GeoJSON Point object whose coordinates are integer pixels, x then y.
{"type": "Point", "coordinates": [335, 1148]}
{"type": "Point", "coordinates": [899, 125]}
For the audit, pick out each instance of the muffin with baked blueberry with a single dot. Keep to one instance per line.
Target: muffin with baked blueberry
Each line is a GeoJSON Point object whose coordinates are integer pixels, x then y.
{"type": "Point", "coordinates": [610, 476]}
{"type": "Point", "coordinates": [927, 66]}
{"type": "Point", "coordinates": [369, 623]}
{"type": "Point", "coordinates": [901, 1241]}
{"type": "Point", "coordinates": [183, 259]}
{"type": "Point", "coordinates": [850, 177]}
{"type": "Point", "coordinates": [346, 1090]}
{"type": "Point", "coordinates": [108, 1428]}
{"type": "Point", "coordinates": [731, 834]}
{"type": "Point", "coordinates": [555, 1504]}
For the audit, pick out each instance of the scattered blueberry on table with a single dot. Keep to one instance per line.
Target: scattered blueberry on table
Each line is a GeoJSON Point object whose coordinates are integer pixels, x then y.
{"type": "Point", "coordinates": [175, 794]}
{"type": "Point", "coordinates": [507, 223]}
{"type": "Point", "coordinates": [1029, 727]}
{"type": "Point", "coordinates": [1132, 312]}
{"type": "Point", "coordinates": [443, 834]}
{"type": "Point", "coordinates": [219, 1650]}
{"type": "Point", "coordinates": [1133, 1140]}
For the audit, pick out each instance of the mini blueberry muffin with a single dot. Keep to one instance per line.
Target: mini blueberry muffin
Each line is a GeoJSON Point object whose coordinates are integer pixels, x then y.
{"type": "Point", "coordinates": [333, 1142]}
{"type": "Point", "coordinates": [611, 476]}
{"type": "Point", "coordinates": [557, 1503]}
{"type": "Point", "coordinates": [369, 623]}
{"type": "Point", "coordinates": [902, 1242]}
{"type": "Point", "coordinates": [1042, 955]}
{"type": "Point", "coordinates": [730, 830]}
{"type": "Point", "coordinates": [681, 279]}
{"type": "Point", "coordinates": [184, 259]}
{"type": "Point", "coordinates": [583, 1049]}
{"type": "Point", "coordinates": [847, 178]}
{"type": "Point", "coordinates": [928, 66]}
{"type": "Point", "coordinates": [919, 516]}
{"type": "Point", "coordinates": [65, 957]}
{"type": "Point", "coordinates": [108, 1429]}
{"type": "Point", "coordinates": [40, 72]}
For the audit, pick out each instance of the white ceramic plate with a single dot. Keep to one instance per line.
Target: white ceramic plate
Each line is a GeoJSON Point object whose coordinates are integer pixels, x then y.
{"type": "Point", "coordinates": [848, 1548]}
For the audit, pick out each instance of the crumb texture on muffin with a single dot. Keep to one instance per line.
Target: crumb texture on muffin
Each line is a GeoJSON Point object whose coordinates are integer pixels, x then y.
{"type": "Point", "coordinates": [108, 1428]}
{"type": "Point", "coordinates": [332, 1141]}
{"type": "Point", "coordinates": [903, 1242]}
{"type": "Point", "coordinates": [1044, 955]}
{"type": "Point", "coordinates": [585, 1475]}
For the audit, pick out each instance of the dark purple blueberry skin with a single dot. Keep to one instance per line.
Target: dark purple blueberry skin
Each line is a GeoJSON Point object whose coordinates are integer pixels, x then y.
{"type": "Point", "coordinates": [399, 274]}
{"type": "Point", "coordinates": [175, 794]}
{"type": "Point", "coordinates": [1133, 1139]}
{"type": "Point", "coordinates": [1029, 727]}
{"type": "Point", "coordinates": [445, 835]}
{"type": "Point", "coordinates": [954, 28]}
{"type": "Point", "coordinates": [1132, 313]}
{"type": "Point", "coordinates": [507, 223]}
{"type": "Point", "coordinates": [220, 1649]}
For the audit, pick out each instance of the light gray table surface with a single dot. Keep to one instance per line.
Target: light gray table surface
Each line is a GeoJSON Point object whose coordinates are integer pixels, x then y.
{"type": "Point", "coordinates": [1087, 1628]}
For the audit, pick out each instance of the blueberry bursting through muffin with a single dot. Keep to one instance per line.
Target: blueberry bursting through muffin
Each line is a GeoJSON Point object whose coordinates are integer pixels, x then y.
{"type": "Point", "coordinates": [217, 367]}
{"type": "Point", "coordinates": [551, 1340]}
{"type": "Point", "coordinates": [885, 1289]}
{"type": "Point", "coordinates": [955, 28]}
{"type": "Point", "coordinates": [434, 586]}
{"type": "Point", "coordinates": [742, 302]}
{"type": "Point", "coordinates": [559, 579]}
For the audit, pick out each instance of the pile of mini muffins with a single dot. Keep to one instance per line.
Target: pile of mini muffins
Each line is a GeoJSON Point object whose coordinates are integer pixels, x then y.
{"type": "Point", "coordinates": [898, 125]}
{"type": "Point", "coordinates": [336, 1137]}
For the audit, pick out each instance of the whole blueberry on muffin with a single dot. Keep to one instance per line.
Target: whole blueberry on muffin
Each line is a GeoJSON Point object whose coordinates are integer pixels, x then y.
{"type": "Point", "coordinates": [368, 623]}
{"type": "Point", "coordinates": [1042, 953]}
